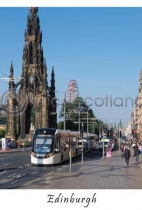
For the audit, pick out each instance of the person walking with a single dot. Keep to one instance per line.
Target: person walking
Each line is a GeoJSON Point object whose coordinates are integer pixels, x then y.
{"type": "Point", "coordinates": [137, 152]}
{"type": "Point", "coordinates": [122, 149]}
{"type": "Point", "coordinates": [19, 144]}
{"type": "Point", "coordinates": [127, 154]}
{"type": "Point", "coordinates": [140, 148]}
{"type": "Point", "coordinates": [133, 146]}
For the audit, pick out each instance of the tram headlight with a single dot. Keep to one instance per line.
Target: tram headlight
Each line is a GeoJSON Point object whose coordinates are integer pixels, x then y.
{"type": "Point", "coordinates": [48, 155]}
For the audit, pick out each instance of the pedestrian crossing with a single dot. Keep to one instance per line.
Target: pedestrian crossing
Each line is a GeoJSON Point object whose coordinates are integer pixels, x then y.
{"type": "Point", "coordinates": [3, 181]}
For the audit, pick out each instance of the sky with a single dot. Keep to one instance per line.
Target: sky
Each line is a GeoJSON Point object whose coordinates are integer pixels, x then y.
{"type": "Point", "coordinates": [99, 47]}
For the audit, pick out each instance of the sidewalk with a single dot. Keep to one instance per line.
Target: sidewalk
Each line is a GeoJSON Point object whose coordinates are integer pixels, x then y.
{"type": "Point", "coordinates": [95, 173]}
{"type": "Point", "coordinates": [15, 150]}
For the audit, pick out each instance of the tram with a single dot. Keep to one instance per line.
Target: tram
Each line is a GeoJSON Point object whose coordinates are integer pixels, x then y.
{"type": "Point", "coordinates": [52, 146]}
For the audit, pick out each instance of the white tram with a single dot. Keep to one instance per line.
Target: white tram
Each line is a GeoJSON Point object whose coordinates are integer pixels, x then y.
{"type": "Point", "coordinates": [52, 146]}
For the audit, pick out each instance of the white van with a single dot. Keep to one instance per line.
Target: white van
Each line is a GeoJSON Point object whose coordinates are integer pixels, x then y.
{"type": "Point", "coordinates": [106, 141]}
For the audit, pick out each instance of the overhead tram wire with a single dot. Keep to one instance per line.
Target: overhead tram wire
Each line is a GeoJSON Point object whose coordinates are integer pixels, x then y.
{"type": "Point", "coordinates": [7, 77]}
{"type": "Point", "coordinates": [3, 74]}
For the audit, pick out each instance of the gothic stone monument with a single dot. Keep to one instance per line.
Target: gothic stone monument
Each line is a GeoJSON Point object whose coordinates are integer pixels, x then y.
{"type": "Point", "coordinates": [31, 100]}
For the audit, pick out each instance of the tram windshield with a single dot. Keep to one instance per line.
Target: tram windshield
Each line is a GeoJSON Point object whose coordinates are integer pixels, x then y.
{"type": "Point", "coordinates": [43, 143]}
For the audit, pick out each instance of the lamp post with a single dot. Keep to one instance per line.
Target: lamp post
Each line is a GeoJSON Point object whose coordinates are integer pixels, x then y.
{"type": "Point", "coordinates": [103, 144]}
{"type": "Point", "coordinates": [103, 138]}
{"type": "Point", "coordinates": [65, 112]}
{"type": "Point", "coordinates": [70, 151]}
{"type": "Point", "coordinates": [79, 120]}
{"type": "Point", "coordinates": [87, 122]}
{"type": "Point", "coordinates": [119, 137]}
{"type": "Point", "coordinates": [64, 103]}
{"type": "Point", "coordinates": [109, 127]}
{"type": "Point", "coordinates": [82, 143]}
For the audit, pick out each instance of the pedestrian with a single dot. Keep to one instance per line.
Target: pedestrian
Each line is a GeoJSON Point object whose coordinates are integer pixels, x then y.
{"type": "Point", "coordinates": [137, 152]}
{"type": "Point", "coordinates": [140, 148]}
{"type": "Point", "coordinates": [127, 154]}
{"type": "Point", "coordinates": [122, 149]}
{"type": "Point", "coordinates": [133, 146]}
{"type": "Point", "coordinates": [19, 144]}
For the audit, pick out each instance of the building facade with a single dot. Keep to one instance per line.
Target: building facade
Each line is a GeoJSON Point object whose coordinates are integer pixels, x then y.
{"type": "Point", "coordinates": [136, 116]}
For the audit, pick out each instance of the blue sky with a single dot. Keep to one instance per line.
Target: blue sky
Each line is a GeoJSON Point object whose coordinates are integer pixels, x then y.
{"type": "Point", "coordinates": [100, 48]}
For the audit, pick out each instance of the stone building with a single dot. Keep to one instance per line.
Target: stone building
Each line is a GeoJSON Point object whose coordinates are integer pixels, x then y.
{"type": "Point", "coordinates": [136, 116]}
{"type": "Point", "coordinates": [31, 100]}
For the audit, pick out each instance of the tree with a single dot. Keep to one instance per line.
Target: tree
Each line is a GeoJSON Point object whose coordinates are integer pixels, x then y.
{"type": "Point", "coordinates": [2, 133]}
{"type": "Point", "coordinates": [2, 120]}
{"type": "Point", "coordinates": [72, 111]}
{"type": "Point", "coordinates": [60, 125]}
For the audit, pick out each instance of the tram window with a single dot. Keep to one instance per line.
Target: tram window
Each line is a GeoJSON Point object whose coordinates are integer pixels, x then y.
{"type": "Point", "coordinates": [57, 145]}
{"type": "Point", "coordinates": [73, 142]}
{"type": "Point", "coordinates": [64, 144]}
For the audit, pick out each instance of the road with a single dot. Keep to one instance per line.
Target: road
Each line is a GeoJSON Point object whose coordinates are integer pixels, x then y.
{"type": "Point", "coordinates": [16, 170]}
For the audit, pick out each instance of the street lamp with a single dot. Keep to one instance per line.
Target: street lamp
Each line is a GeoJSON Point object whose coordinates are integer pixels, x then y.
{"type": "Point", "coordinates": [79, 120]}
{"type": "Point", "coordinates": [82, 143]}
{"type": "Point", "coordinates": [103, 138]}
{"type": "Point", "coordinates": [64, 107]}
{"type": "Point", "coordinates": [87, 121]}
{"type": "Point", "coordinates": [65, 112]}
{"type": "Point", "coordinates": [109, 127]}
{"type": "Point", "coordinates": [93, 118]}
{"type": "Point", "coordinates": [119, 129]}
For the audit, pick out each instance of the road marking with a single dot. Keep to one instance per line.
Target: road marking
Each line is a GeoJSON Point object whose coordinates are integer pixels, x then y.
{"type": "Point", "coordinates": [3, 181]}
{"type": "Point", "coordinates": [48, 179]}
{"type": "Point", "coordinates": [16, 175]}
{"type": "Point", "coordinates": [4, 155]}
{"type": "Point", "coordinates": [38, 179]}
{"type": "Point", "coordinates": [64, 166]}
{"type": "Point", "coordinates": [14, 181]}
{"type": "Point", "coordinates": [3, 172]}
{"type": "Point", "coordinates": [27, 165]}
{"type": "Point", "coordinates": [58, 169]}
{"type": "Point", "coordinates": [5, 164]}
{"type": "Point", "coordinates": [34, 172]}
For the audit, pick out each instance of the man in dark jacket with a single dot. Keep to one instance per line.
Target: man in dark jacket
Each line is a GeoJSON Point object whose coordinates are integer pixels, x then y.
{"type": "Point", "coordinates": [127, 154]}
{"type": "Point", "coordinates": [137, 152]}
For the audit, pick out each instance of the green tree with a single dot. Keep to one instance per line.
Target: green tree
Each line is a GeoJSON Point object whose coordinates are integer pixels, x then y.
{"type": "Point", "coordinates": [2, 133]}
{"type": "Point", "coordinates": [60, 125]}
{"type": "Point", "coordinates": [2, 120]}
{"type": "Point", "coordinates": [72, 114]}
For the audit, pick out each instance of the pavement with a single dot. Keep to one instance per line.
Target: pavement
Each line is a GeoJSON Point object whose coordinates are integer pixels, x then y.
{"type": "Point", "coordinates": [95, 173]}
{"type": "Point", "coordinates": [15, 150]}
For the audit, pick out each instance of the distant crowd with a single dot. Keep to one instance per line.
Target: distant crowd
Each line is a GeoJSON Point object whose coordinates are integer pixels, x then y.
{"type": "Point", "coordinates": [136, 144]}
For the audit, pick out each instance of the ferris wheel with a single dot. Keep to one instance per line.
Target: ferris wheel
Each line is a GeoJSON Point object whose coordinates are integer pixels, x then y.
{"type": "Point", "coordinates": [73, 91]}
